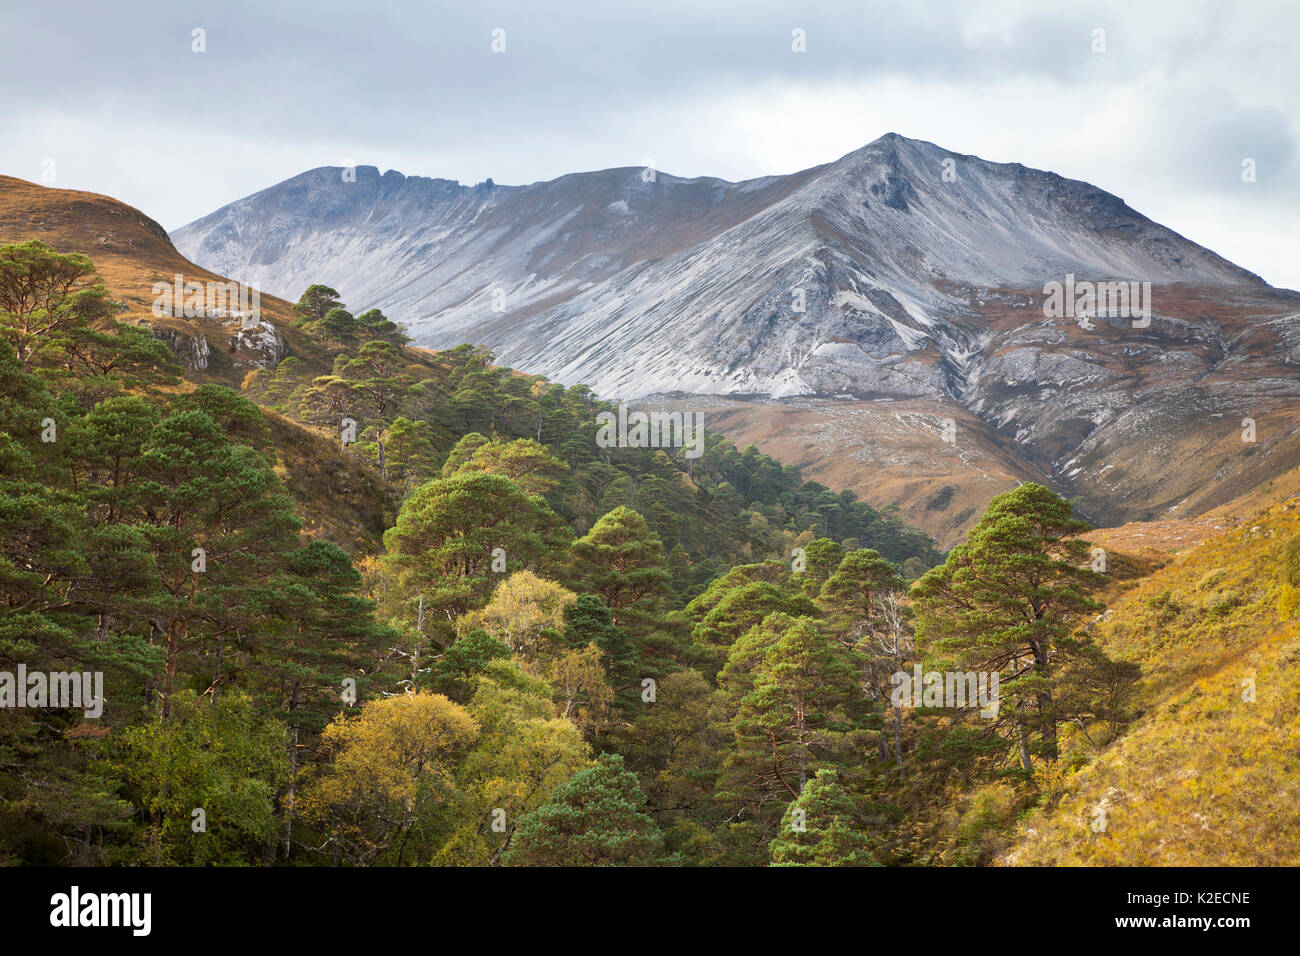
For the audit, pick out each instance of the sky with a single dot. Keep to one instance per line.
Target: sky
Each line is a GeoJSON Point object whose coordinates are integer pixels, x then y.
{"type": "Point", "coordinates": [1158, 102]}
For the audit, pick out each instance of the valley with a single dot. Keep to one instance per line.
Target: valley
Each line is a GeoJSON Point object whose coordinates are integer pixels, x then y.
{"type": "Point", "coordinates": [495, 563]}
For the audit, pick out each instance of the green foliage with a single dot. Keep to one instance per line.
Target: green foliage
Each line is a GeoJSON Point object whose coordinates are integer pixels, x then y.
{"type": "Point", "coordinates": [537, 597]}
{"type": "Point", "coordinates": [820, 828]}
{"type": "Point", "coordinates": [595, 819]}
{"type": "Point", "coordinates": [859, 578]}
{"type": "Point", "coordinates": [675, 744]}
{"type": "Point", "coordinates": [442, 545]}
{"type": "Point", "coordinates": [216, 757]}
{"type": "Point", "coordinates": [822, 556]}
{"type": "Point", "coordinates": [523, 753]}
{"type": "Point", "coordinates": [44, 297]}
{"type": "Point", "coordinates": [622, 560]}
{"type": "Point", "coordinates": [794, 705]}
{"type": "Point", "coordinates": [456, 670]}
{"type": "Point", "coordinates": [316, 303]}
{"type": "Point", "coordinates": [1005, 600]}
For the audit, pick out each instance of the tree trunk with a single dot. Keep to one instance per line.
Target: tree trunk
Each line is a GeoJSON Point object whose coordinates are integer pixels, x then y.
{"type": "Point", "coordinates": [1043, 698]}
{"type": "Point", "coordinates": [169, 670]}
{"type": "Point", "coordinates": [898, 735]}
{"type": "Point", "coordinates": [221, 663]}
{"type": "Point", "coordinates": [286, 841]}
{"type": "Point", "coordinates": [1025, 760]}
{"type": "Point", "coordinates": [776, 767]}
{"type": "Point", "coordinates": [1048, 718]}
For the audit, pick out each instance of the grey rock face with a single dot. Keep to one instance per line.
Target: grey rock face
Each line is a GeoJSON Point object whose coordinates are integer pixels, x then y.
{"type": "Point", "coordinates": [900, 271]}
{"type": "Point", "coordinates": [636, 283]}
{"type": "Point", "coordinates": [191, 351]}
{"type": "Point", "coordinates": [250, 343]}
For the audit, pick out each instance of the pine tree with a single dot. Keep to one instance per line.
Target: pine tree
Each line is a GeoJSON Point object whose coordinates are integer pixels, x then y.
{"type": "Point", "coordinates": [860, 577]}
{"type": "Point", "coordinates": [455, 672]}
{"type": "Point", "coordinates": [1005, 601]}
{"type": "Point", "coordinates": [380, 387]}
{"type": "Point", "coordinates": [622, 560]}
{"type": "Point", "coordinates": [442, 545]}
{"type": "Point", "coordinates": [589, 621]}
{"type": "Point", "coordinates": [820, 828]}
{"type": "Point", "coordinates": [804, 696]}
{"type": "Point", "coordinates": [44, 297]}
{"type": "Point", "coordinates": [595, 819]}
{"type": "Point", "coordinates": [821, 556]}
{"type": "Point", "coordinates": [315, 304]}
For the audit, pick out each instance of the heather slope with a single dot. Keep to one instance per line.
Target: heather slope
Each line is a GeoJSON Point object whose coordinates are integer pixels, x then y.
{"type": "Point", "coordinates": [1210, 772]}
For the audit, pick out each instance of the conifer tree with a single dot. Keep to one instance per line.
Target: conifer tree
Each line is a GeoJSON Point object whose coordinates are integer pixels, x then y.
{"type": "Point", "coordinates": [589, 621]}
{"type": "Point", "coordinates": [1006, 601]}
{"type": "Point", "coordinates": [595, 819]}
{"type": "Point", "coordinates": [820, 828]}
{"type": "Point", "coordinates": [456, 538]}
{"type": "Point", "coordinates": [314, 304]}
{"type": "Point", "coordinates": [805, 694]}
{"type": "Point", "coordinates": [622, 560]}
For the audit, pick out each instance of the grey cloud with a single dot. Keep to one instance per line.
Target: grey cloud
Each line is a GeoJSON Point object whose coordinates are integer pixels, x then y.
{"type": "Point", "coordinates": [115, 91]}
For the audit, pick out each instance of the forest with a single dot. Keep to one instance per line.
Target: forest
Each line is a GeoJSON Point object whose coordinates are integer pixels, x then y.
{"type": "Point", "coordinates": [382, 606]}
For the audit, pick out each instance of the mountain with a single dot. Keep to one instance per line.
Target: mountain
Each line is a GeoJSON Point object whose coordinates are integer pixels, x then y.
{"type": "Point", "coordinates": [1171, 725]}
{"type": "Point", "coordinates": [854, 308]}
{"type": "Point", "coordinates": [300, 377]}
{"type": "Point", "coordinates": [636, 287]}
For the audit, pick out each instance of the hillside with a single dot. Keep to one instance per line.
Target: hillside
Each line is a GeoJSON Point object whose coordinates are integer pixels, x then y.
{"type": "Point", "coordinates": [131, 252]}
{"type": "Point", "coordinates": [1208, 774]}
{"type": "Point", "coordinates": [225, 545]}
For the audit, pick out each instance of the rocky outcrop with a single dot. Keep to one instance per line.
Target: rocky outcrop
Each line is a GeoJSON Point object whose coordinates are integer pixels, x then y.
{"type": "Point", "coordinates": [251, 342]}
{"type": "Point", "coordinates": [191, 349]}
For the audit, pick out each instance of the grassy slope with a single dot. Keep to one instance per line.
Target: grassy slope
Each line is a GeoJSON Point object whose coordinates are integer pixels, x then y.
{"type": "Point", "coordinates": [1203, 776]}
{"type": "Point", "coordinates": [338, 497]}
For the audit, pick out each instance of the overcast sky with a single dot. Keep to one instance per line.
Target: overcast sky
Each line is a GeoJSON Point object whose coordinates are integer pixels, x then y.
{"type": "Point", "coordinates": [110, 97]}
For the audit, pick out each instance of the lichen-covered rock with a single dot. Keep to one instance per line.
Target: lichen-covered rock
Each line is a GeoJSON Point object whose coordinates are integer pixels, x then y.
{"type": "Point", "coordinates": [191, 350]}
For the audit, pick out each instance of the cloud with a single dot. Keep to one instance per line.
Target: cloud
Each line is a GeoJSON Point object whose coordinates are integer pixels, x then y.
{"type": "Point", "coordinates": [1162, 117]}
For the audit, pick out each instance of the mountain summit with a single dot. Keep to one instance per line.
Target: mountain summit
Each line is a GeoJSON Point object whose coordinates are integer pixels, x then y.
{"type": "Point", "coordinates": [852, 276]}
{"type": "Point", "coordinates": [889, 299]}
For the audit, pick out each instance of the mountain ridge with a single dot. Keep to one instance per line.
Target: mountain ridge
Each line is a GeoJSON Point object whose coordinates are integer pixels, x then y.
{"type": "Point", "coordinates": [902, 272]}
{"type": "Point", "coordinates": [543, 273]}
